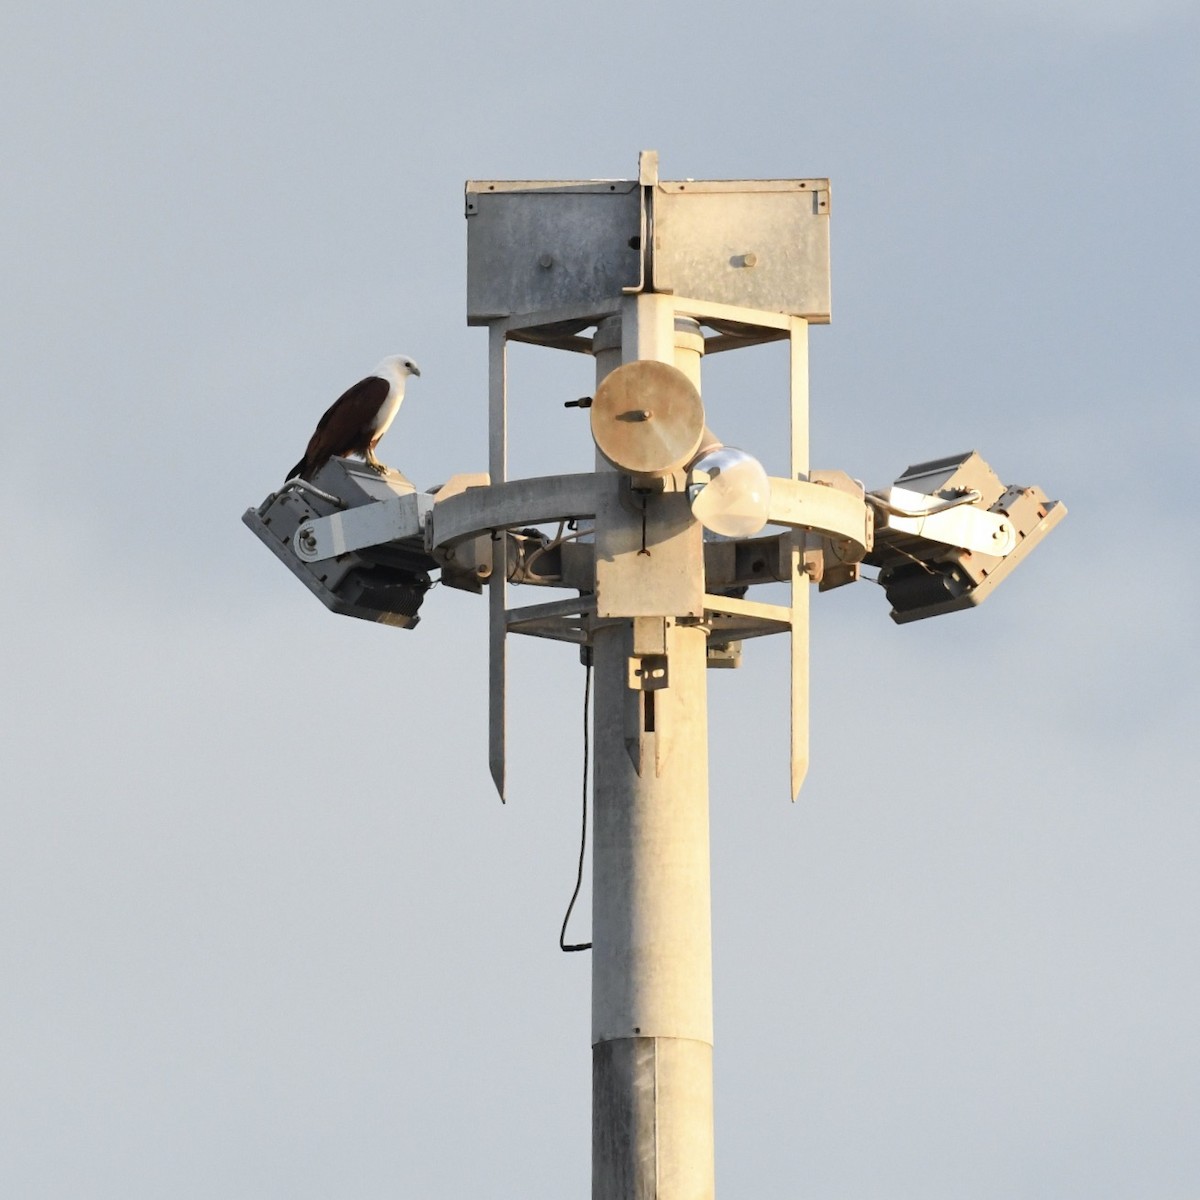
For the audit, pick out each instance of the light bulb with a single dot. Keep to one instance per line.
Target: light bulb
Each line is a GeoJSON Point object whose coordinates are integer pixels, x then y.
{"type": "Point", "coordinates": [729, 492]}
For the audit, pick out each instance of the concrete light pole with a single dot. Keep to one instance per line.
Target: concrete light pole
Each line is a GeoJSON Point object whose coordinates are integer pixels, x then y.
{"type": "Point", "coordinates": [652, 1022]}
{"type": "Point", "coordinates": [648, 276]}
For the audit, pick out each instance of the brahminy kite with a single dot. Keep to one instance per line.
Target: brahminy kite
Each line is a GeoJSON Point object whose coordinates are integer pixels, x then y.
{"type": "Point", "coordinates": [358, 418]}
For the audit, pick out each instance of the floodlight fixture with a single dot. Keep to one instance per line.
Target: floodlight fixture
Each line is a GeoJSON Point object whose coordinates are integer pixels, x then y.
{"type": "Point", "coordinates": [948, 532]}
{"type": "Point", "coordinates": [380, 577]}
{"type": "Point", "coordinates": [356, 538]}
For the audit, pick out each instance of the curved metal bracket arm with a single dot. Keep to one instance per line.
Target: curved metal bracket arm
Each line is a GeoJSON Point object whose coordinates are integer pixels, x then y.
{"type": "Point", "coordinates": [480, 510]}
{"type": "Point", "coordinates": [825, 510]}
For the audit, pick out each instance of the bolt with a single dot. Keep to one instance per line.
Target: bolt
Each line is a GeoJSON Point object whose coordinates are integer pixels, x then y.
{"type": "Point", "coordinates": [749, 260]}
{"type": "Point", "coordinates": [546, 262]}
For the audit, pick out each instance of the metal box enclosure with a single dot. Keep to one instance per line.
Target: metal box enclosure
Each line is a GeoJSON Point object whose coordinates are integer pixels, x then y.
{"type": "Point", "coordinates": [538, 247]}
{"type": "Point", "coordinates": [574, 248]}
{"type": "Point", "coordinates": [754, 243]}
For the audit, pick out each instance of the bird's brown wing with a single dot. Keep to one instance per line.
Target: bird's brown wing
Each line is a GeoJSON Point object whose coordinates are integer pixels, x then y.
{"type": "Point", "coordinates": [346, 426]}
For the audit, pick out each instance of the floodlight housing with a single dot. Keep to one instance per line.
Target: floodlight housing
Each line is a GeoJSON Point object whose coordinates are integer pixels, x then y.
{"type": "Point", "coordinates": [949, 531]}
{"type": "Point", "coordinates": [384, 582]}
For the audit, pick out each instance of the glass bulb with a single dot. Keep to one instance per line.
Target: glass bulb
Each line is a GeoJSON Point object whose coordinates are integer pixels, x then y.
{"type": "Point", "coordinates": [737, 495]}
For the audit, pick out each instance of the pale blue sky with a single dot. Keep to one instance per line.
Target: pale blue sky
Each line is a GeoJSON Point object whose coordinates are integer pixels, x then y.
{"type": "Point", "coordinates": [267, 934]}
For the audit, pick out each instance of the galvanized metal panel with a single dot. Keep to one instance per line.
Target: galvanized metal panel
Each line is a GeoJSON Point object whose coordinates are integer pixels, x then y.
{"type": "Point", "coordinates": [538, 246]}
{"type": "Point", "coordinates": [648, 564]}
{"type": "Point", "coordinates": [533, 246]}
{"type": "Point", "coordinates": [756, 243]}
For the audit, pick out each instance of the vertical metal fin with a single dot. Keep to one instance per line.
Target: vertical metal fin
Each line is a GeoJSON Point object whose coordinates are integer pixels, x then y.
{"type": "Point", "coordinates": [639, 744]}
{"type": "Point", "coordinates": [497, 648]}
{"type": "Point", "coordinates": [799, 655]}
{"type": "Point", "coordinates": [798, 389]}
{"type": "Point", "coordinates": [498, 587]}
{"type": "Point", "coordinates": [635, 748]}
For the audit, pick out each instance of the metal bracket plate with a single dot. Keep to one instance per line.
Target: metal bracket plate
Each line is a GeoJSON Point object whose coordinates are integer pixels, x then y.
{"type": "Point", "coordinates": [367, 525]}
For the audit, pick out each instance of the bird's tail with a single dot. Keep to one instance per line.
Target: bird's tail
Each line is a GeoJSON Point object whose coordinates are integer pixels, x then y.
{"type": "Point", "coordinates": [298, 469]}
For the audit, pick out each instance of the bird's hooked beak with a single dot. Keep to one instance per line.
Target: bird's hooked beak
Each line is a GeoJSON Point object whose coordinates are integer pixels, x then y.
{"type": "Point", "coordinates": [415, 370]}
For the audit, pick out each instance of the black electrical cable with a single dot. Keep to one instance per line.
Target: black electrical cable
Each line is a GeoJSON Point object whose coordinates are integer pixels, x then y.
{"type": "Point", "coordinates": [562, 933]}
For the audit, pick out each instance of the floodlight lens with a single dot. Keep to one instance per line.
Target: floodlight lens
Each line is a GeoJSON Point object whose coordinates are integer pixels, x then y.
{"type": "Point", "coordinates": [737, 495]}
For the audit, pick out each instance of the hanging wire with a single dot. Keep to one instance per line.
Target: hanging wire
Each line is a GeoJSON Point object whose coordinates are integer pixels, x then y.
{"type": "Point", "coordinates": [562, 933]}
{"type": "Point", "coordinates": [553, 544]}
{"type": "Point", "coordinates": [912, 557]}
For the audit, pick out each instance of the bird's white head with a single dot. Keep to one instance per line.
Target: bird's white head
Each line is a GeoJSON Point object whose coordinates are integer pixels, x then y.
{"type": "Point", "coordinates": [397, 368]}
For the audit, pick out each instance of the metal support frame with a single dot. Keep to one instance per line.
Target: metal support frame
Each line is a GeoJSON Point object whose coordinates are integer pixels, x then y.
{"type": "Point", "coordinates": [834, 513]}
{"type": "Point", "coordinates": [648, 618]}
